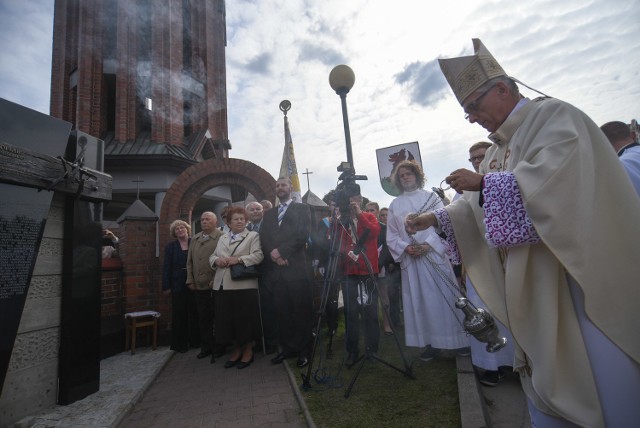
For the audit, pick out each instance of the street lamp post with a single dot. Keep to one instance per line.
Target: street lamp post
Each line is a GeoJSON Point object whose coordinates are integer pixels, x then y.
{"type": "Point", "coordinates": [341, 80]}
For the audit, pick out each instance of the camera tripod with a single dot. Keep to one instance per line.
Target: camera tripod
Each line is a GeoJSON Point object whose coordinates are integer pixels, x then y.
{"type": "Point", "coordinates": [330, 282]}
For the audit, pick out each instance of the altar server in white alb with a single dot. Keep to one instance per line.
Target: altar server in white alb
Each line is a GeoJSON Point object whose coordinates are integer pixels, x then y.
{"type": "Point", "coordinates": [429, 286]}
{"type": "Point", "coordinates": [548, 235]}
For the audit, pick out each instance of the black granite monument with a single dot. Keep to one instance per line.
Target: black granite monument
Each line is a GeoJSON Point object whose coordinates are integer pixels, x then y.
{"type": "Point", "coordinates": [32, 167]}
{"type": "Point", "coordinates": [23, 213]}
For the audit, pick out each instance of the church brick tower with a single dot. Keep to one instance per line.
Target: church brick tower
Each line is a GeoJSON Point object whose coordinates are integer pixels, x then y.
{"type": "Point", "coordinates": [149, 78]}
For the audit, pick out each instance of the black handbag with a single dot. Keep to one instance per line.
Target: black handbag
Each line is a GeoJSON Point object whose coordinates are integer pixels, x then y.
{"type": "Point", "coordinates": [241, 272]}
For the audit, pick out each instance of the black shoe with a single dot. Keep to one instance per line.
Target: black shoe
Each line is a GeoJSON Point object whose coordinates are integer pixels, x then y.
{"type": "Point", "coordinates": [429, 353]}
{"type": "Point", "coordinates": [351, 359]}
{"type": "Point", "coordinates": [231, 363]}
{"type": "Point", "coordinates": [491, 377]}
{"type": "Point", "coordinates": [213, 359]}
{"type": "Point", "coordinates": [302, 362]}
{"type": "Point", "coordinates": [278, 359]}
{"type": "Point", "coordinates": [271, 349]}
{"type": "Point", "coordinates": [203, 354]}
{"type": "Point", "coordinates": [243, 365]}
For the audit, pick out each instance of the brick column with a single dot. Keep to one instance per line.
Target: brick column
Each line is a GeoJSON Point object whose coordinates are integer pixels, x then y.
{"type": "Point", "coordinates": [167, 124]}
{"type": "Point", "coordinates": [89, 68]}
{"type": "Point", "coordinates": [140, 267]}
{"type": "Point", "coordinates": [216, 73]}
{"type": "Point", "coordinates": [127, 101]}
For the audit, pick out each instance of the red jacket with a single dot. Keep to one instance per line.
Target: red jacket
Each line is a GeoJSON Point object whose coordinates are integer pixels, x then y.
{"type": "Point", "coordinates": [348, 266]}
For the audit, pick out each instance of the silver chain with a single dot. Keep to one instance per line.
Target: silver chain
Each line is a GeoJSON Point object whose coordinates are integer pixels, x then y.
{"type": "Point", "coordinates": [453, 288]}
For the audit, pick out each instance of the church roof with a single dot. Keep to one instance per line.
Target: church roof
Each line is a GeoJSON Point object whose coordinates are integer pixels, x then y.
{"type": "Point", "coordinates": [312, 199]}
{"type": "Point", "coordinates": [195, 147]}
{"type": "Point", "coordinates": [138, 211]}
{"type": "Point", "coordinates": [143, 146]}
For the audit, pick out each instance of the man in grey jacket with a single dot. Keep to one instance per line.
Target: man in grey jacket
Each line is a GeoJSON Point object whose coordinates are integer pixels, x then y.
{"type": "Point", "coordinates": [199, 276]}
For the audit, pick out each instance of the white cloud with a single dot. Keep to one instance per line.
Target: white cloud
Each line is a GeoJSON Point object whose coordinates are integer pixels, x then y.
{"type": "Point", "coordinates": [26, 32]}
{"type": "Point", "coordinates": [584, 52]}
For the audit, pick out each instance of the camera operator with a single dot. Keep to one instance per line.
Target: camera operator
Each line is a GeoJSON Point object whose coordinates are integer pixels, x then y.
{"type": "Point", "coordinates": [358, 233]}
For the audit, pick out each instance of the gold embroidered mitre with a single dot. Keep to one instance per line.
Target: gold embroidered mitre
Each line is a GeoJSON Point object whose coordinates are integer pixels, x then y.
{"type": "Point", "coordinates": [466, 74]}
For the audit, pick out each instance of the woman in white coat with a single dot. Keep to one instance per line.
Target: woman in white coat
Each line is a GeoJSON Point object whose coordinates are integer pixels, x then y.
{"type": "Point", "coordinates": [237, 311]}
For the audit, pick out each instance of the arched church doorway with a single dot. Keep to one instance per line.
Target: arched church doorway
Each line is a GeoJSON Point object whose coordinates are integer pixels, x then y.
{"type": "Point", "coordinates": [186, 190]}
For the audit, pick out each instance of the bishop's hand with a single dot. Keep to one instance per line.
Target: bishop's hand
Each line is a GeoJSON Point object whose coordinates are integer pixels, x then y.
{"type": "Point", "coordinates": [463, 179]}
{"type": "Point", "coordinates": [409, 223]}
{"type": "Point", "coordinates": [414, 222]}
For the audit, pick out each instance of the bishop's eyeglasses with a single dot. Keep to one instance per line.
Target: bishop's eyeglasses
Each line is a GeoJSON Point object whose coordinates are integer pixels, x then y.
{"type": "Point", "coordinates": [472, 108]}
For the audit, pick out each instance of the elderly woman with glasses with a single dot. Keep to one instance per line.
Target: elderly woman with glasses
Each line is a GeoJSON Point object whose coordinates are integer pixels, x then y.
{"type": "Point", "coordinates": [237, 308]}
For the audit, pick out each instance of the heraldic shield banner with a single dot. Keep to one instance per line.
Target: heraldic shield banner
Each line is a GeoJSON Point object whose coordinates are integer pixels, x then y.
{"type": "Point", "coordinates": [389, 157]}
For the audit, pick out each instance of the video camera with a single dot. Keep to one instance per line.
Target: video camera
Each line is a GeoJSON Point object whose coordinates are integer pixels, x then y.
{"type": "Point", "coordinates": [346, 188]}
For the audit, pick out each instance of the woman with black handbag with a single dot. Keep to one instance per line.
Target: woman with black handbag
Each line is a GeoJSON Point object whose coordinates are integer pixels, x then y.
{"type": "Point", "coordinates": [237, 311]}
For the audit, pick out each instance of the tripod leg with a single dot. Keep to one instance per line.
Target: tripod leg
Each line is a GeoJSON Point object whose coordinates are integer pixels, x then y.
{"type": "Point", "coordinates": [362, 360]}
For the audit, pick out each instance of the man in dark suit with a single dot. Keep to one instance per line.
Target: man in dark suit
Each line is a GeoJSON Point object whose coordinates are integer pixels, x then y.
{"type": "Point", "coordinates": [284, 235]}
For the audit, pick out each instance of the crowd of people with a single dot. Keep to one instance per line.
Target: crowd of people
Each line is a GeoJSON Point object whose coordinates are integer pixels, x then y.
{"type": "Point", "coordinates": [551, 263]}
{"type": "Point", "coordinates": [273, 312]}
{"type": "Point", "coordinates": [216, 310]}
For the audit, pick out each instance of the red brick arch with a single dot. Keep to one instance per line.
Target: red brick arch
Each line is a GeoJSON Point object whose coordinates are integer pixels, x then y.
{"type": "Point", "coordinates": [187, 189]}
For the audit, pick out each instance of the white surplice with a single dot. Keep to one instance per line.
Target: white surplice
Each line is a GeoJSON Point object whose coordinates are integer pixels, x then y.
{"type": "Point", "coordinates": [430, 315]}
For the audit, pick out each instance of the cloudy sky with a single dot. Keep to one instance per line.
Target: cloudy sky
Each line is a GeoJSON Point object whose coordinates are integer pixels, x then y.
{"type": "Point", "coordinates": [586, 52]}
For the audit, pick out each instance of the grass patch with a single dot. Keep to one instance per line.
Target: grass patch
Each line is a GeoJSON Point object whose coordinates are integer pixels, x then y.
{"type": "Point", "coordinates": [382, 396]}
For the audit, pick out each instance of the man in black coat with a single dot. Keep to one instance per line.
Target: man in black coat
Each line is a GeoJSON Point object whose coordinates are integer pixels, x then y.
{"type": "Point", "coordinates": [284, 235]}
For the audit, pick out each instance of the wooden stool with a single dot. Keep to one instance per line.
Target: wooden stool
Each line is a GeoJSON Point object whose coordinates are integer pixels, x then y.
{"type": "Point", "coordinates": [135, 320]}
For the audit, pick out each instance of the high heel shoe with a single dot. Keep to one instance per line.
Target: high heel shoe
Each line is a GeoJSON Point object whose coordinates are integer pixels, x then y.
{"type": "Point", "coordinates": [232, 363]}
{"type": "Point", "coordinates": [243, 365]}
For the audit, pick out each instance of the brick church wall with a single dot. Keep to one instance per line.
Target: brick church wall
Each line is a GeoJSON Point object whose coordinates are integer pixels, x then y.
{"type": "Point", "coordinates": [140, 267]}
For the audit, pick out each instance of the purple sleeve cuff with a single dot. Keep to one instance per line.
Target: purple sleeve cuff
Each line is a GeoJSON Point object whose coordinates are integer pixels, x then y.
{"type": "Point", "coordinates": [506, 219]}
{"type": "Point", "coordinates": [450, 243]}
